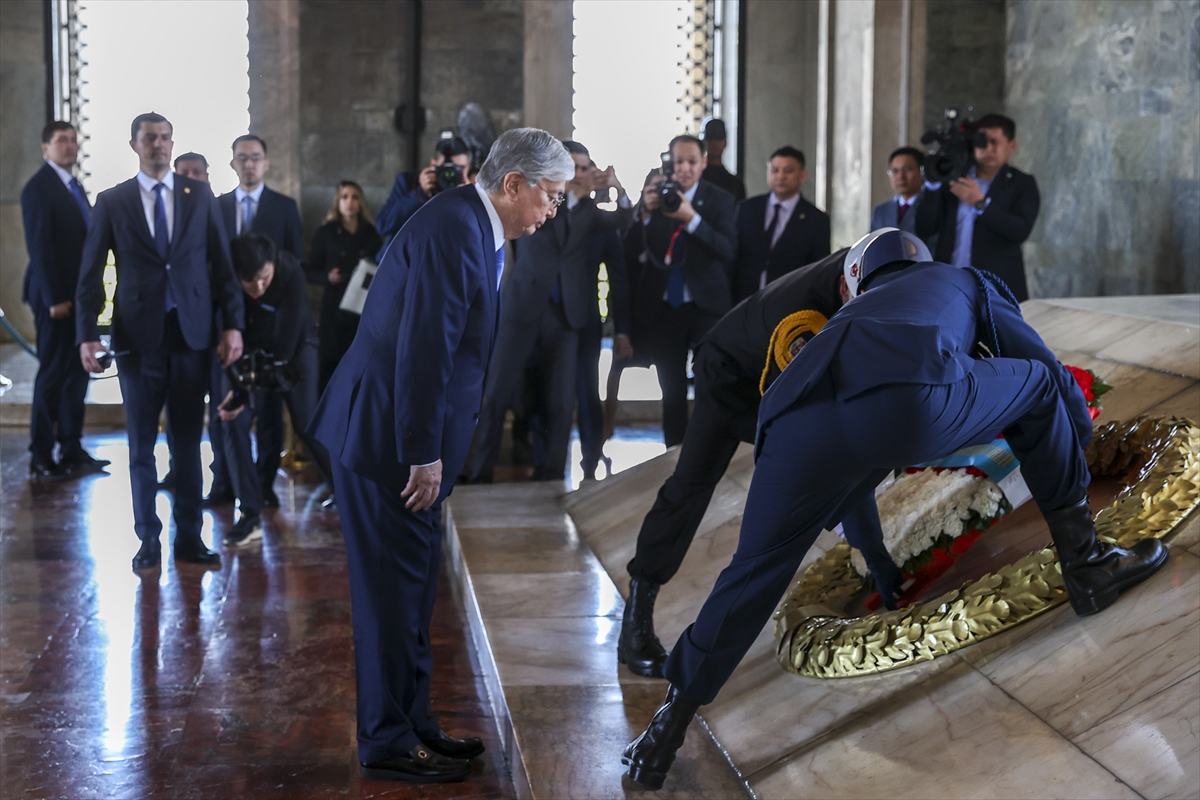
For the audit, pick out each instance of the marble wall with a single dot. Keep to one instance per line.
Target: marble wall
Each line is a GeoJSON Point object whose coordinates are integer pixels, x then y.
{"type": "Point", "coordinates": [965, 55]}
{"type": "Point", "coordinates": [23, 111]}
{"type": "Point", "coordinates": [1107, 101]}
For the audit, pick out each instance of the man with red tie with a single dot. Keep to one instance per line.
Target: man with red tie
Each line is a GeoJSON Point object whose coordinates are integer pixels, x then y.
{"type": "Point", "coordinates": [904, 174]}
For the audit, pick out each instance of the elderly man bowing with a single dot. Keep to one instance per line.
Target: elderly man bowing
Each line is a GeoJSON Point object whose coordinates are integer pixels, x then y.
{"type": "Point", "coordinates": [398, 416]}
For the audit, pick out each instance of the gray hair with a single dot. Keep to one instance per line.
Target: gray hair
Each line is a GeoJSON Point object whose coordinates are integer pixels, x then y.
{"type": "Point", "coordinates": [530, 151]}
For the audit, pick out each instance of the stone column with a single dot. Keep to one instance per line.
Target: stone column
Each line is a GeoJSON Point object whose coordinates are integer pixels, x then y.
{"type": "Point", "coordinates": [274, 39]}
{"type": "Point", "coordinates": [549, 36]}
{"type": "Point", "coordinates": [22, 116]}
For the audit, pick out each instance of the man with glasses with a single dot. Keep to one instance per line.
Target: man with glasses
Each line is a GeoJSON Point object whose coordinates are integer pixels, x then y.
{"type": "Point", "coordinates": [548, 300]}
{"type": "Point", "coordinates": [904, 174]}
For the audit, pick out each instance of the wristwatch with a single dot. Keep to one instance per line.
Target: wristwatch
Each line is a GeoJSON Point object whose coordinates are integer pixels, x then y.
{"type": "Point", "coordinates": [981, 205]}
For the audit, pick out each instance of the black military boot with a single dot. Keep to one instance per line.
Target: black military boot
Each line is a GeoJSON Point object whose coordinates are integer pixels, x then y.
{"type": "Point", "coordinates": [638, 648]}
{"type": "Point", "coordinates": [1095, 571]}
{"type": "Point", "coordinates": [650, 756]}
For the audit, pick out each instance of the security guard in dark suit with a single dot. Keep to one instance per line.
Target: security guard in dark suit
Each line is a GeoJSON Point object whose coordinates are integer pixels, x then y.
{"type": "Point", "coordinates": [897, 377]}
{"type": "Point", "coordinates": [739, 358]}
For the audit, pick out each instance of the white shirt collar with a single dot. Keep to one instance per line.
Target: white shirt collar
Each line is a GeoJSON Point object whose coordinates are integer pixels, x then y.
{"type": "Point", "coordinates": [900, 199]}
{"type": "Point", "coordinates": [788, 205]}
{"type": "Point", "coordinates": [256, 195]}
{"type": "Point", "coordinates": [63, 175]}
{"type": "Point", "coordinates": [497, 225]}
{"type": "Point", "coordinates": [148, 183]}
{"type": "Point", "coordinates": [690, 194]}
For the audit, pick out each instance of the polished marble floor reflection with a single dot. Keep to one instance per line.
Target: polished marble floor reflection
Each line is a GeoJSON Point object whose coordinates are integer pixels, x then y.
{"type": "Point", "coordinates": [237, 682]}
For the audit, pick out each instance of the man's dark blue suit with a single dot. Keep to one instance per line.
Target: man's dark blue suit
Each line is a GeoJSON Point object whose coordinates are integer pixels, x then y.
{"type": "Point", "coordinates": [408, 392]}
{"type": "Point", "coordinates": [277, 217]}
{"type": "Point", "coordinates": [168, 351]}
{"type": "Point", "coordinates": [55, 227]}
{"type": "Point", "coordinates": [891, 380]}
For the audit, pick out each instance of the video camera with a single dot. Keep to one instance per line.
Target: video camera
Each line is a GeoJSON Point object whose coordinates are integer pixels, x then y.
{"type": "Point", "coordinates": [669, 192]}
{"type": "Point", "coordinates": [955, 152]}
{"type": "Point", "coordinates": [448, 175]}
{"type": "Point", "coordinates": [258, 370]}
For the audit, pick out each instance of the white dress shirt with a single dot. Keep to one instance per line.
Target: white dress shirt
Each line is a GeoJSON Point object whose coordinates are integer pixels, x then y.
{"type": "Point", "coordinates": [146, 185]}
{"type": "Point", "coordinates": [254, 196]}
{"type": "Point", "coordinates": [788, 208]}
{"type": "Point", "coordinates": [497, 226]}
{"type": "Point", "coordinates": [63, 175]}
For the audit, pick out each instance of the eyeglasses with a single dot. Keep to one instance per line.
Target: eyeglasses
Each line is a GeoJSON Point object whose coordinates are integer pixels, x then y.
{"type": "Point", "coordinates": [554, 201]}
{"type": "Point", "coordinates": [242, 158]}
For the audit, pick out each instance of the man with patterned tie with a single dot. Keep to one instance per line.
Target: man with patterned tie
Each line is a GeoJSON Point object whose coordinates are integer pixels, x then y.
{"type": "Point", "coordinates": [173, 269]}
{"type": "Point", "coordinates": [691, 251]}
{"type": "Point", "coordinates": [779, 231]}
{"type": "Point", "coordinates": [56, 213]}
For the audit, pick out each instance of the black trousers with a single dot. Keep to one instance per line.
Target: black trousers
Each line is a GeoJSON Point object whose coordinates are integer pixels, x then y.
{"type": "Point", "coordinates": [590, 414]}
{"type": "Point", "coordinates": [675, 332]}
{"type": "Point", "coordinates": [58, 390]}
{"type": "Point", "coordinates": [177, 376]}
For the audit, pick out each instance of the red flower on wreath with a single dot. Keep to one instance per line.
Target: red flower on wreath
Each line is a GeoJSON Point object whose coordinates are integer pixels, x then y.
{"type": "Point", "coordinates": [1092, 385]}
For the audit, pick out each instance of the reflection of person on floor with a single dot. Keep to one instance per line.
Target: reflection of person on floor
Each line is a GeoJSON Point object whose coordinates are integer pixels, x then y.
{"type": "Point", "coordinates": [895, 378]}
{"type": "Point", "coordinates": [730, 378]}
{"type": "Point", "coordinates": [397, 419]}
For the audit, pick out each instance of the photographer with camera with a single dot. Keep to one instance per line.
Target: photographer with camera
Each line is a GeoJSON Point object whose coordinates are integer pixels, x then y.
{"type": "Point", "coordinates": [449, 167]}
{"type": "Point", "coordinates": [976, 210]}
{"type": "Point", "coordinates": [280, 356]}
{"type": "Point", "coordinates": [691, 252]}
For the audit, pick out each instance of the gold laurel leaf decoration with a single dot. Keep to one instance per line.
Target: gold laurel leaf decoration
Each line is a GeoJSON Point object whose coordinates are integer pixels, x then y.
{"type": "Point", "coordinates": [1160, 459]}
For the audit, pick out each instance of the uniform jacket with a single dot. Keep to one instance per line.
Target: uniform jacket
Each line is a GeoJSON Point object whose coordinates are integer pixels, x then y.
{"type": "Point", "coordinates": [408, 391]}
{"type": "Point", "coordinates": [805, 239]}
{"type": "Point", "coordinates": [916, 326]}
{"type": "Point", "coordinates": [54, 233]}
{"type": "Point", "coordinates": [884, 215]}
{"type": "Point", "coordinates": [277, 218]}
{"type": "Point", "coordinates": [1013, 204]}
{"type": "Point", "coordinates": [201, 274]}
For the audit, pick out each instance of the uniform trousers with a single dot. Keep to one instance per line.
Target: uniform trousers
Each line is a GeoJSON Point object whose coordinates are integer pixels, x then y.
{"type": "Point", "coordinates": [177, 376]}
{"type": "Point", "coordinates": [393, 556]}
{"type": "Point", "coordinates": [675, 332]}
{"type": "Point", "coordinates": [58, 390]}
{"type": "Point", "coordinates": [824, 457]}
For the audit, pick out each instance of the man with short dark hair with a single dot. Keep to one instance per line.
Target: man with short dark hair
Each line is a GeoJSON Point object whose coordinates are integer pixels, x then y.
{"type": "Point", "coordinates": [904, 174]}
{"type": "Point", "coordinates": [192, 165]}
{"type": "Point", "coordinates": [56, 213]}
{"type": "Point", "coordinates": [173, 270]}
{"type": "Point", "coordinates": [686, 286]}
{"type": "Point", "coordinates": [779, 231]}
{"type": "Point", "coordinates": [982, 219]}
{"type": "Point", "coordinates": [715, 142]}
{"type": "Point", "coordinates": [412, 189]}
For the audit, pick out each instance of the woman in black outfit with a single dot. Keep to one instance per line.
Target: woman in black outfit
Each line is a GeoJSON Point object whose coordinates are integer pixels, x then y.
{"type": "Point", "coordinates": [346, 237]}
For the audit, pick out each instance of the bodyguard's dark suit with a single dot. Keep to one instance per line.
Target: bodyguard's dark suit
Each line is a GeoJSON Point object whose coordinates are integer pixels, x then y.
{"type": "Point", "coordinates": [805, 239]}
{"type": "Point", "coordinates": [887, 213]}
{"type": "Point", "coordinates": [729, 365]}
{"type": "Point", "coordinates": [707, 259]}
{"type": "Point", "coordinates": [407, 393]}
{"type": "Point", "coordinates": [1013, 204]}
{"type": "Point", "coordinates": [277, 218]}
{"type": "Point", "coordinates": [169, 353]}
{"type": "Point", "coordinates": [890, 381]}
{"type": "Point", "coordinates": [549, 297]}
{"type": "Point", "coordinates": [55, 228]}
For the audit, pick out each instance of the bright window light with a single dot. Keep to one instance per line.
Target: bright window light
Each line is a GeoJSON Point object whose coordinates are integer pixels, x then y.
{"type": "Point", "coordinates": [185, 59]}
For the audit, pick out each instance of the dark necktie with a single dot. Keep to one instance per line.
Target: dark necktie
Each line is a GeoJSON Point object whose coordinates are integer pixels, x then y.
{"type": "Point", "coordinates": [79, 198]}
{"type": "Point", "coordinates": [774, 224]}
{"type": "Point", "coordinates": [247, 213]}
{"type": "Point", "coordinates": [162, 238]}
{"type": "Point", "coordinates": [675, 281]}
{"type": "Point", "coordinates": [900, 212]}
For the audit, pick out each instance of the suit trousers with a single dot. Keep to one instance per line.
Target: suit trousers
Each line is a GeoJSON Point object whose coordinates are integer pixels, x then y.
{"type": "Point", "coordinates": [590, 413]}
{"type": "Point", "coordinates": [177, 376]}
{"type": "Point", "coordinates": [674, 333]}
{"type": "Point", "coordinates": [58, 390]}
{"type": "Point", "coordinates": [824, 458]}
{"type": "Point", "coordinates": [393, 556]}
{"type": "Point", "coordinates": [708, 446]}
{"type": "Point", "coordinates": [217, 387]}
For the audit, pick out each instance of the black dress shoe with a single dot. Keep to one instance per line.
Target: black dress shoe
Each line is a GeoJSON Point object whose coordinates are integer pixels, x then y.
{"type": "Point", "coordinates": [448, 746]}
{"type": "Point", "coordinates": [194, 551]}
{"type": "Point", "coordinates": [217, 497]}
{"type": "Point", "coordinates": [421, 765]}
{"type": "Point", "coordinates": [41, 470]}
{"type": "Point", "coordinates": [329, 503]}
{"type": "Point", "coordinates": [650, 756]}
{"type": "Point", "coordinates": [269, 498]}
{"type": "Point", "coordinates": [81, 461]}
{"type": "Point", "coordinates": [638, 648]}
{"type": "Point", "coordinates": [149, 555]}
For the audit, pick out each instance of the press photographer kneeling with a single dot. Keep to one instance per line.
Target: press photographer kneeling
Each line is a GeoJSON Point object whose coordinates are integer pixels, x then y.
{"type": "Point", "coordinates": [280, 356]}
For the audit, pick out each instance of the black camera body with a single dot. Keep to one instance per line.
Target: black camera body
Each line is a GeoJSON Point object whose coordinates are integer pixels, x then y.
{"type": "Point", "coordinates": [447, 175]}
{"type": "Point", "coordinates": [261, 371]}
{"type": "Point", "coordinates": [670, 193]}
{"type": "Point", "coordinates": [956, 141]}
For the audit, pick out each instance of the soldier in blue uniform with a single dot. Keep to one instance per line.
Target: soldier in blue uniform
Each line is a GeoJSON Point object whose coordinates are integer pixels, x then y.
{"type": "Point", "coordinates": [925, 359]}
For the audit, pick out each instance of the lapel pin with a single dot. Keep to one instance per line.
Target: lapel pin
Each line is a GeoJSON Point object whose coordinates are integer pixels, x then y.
{"type": "Point", "coordinates": [187, 190]}
{"type": "Point", "coordinates": [801, 216]}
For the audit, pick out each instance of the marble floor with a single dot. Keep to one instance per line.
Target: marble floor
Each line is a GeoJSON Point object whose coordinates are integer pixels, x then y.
{"type": "Point", "coordinates": [1100, 707]}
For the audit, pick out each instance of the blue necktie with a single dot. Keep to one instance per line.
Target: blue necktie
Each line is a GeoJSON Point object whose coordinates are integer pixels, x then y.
{"type": "Point", "coordinates": [247, 213]}
{"type": "Point", "coordinates": [83, 206]}
{"type": "Point", "coordinates": [499, 266]}
{"type": "Point", "coordinates": [162, 239]}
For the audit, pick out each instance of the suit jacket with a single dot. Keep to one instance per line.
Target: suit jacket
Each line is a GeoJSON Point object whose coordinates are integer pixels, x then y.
{"type": "Point", "coordinates": [884, 215]}
{"type": "Point", "coordinates": [201, 275]}
{"type": "Point", "coordinates": [707, 257]}
{"type": "Point", "coordinates": [916, 326]}
{"type": "Point", "coordinates": [409, 389]}
{"type": "Point", "coordinates": [717, 175]}
{"type": "Point", "coordinates": [558, 251]}
{"type": "Point", "coordinates": [403, 201]}
{"type": "Point", "coordinates": [277, 218]}
{"type": "Point", "coordinates": [54, 232]}
{"type": "Point", "coordinates": [805, 239]}
{"type": "Point", "coordinates": [281, 320]}
{"type": "Point", "coordinates": [1013, 204]}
